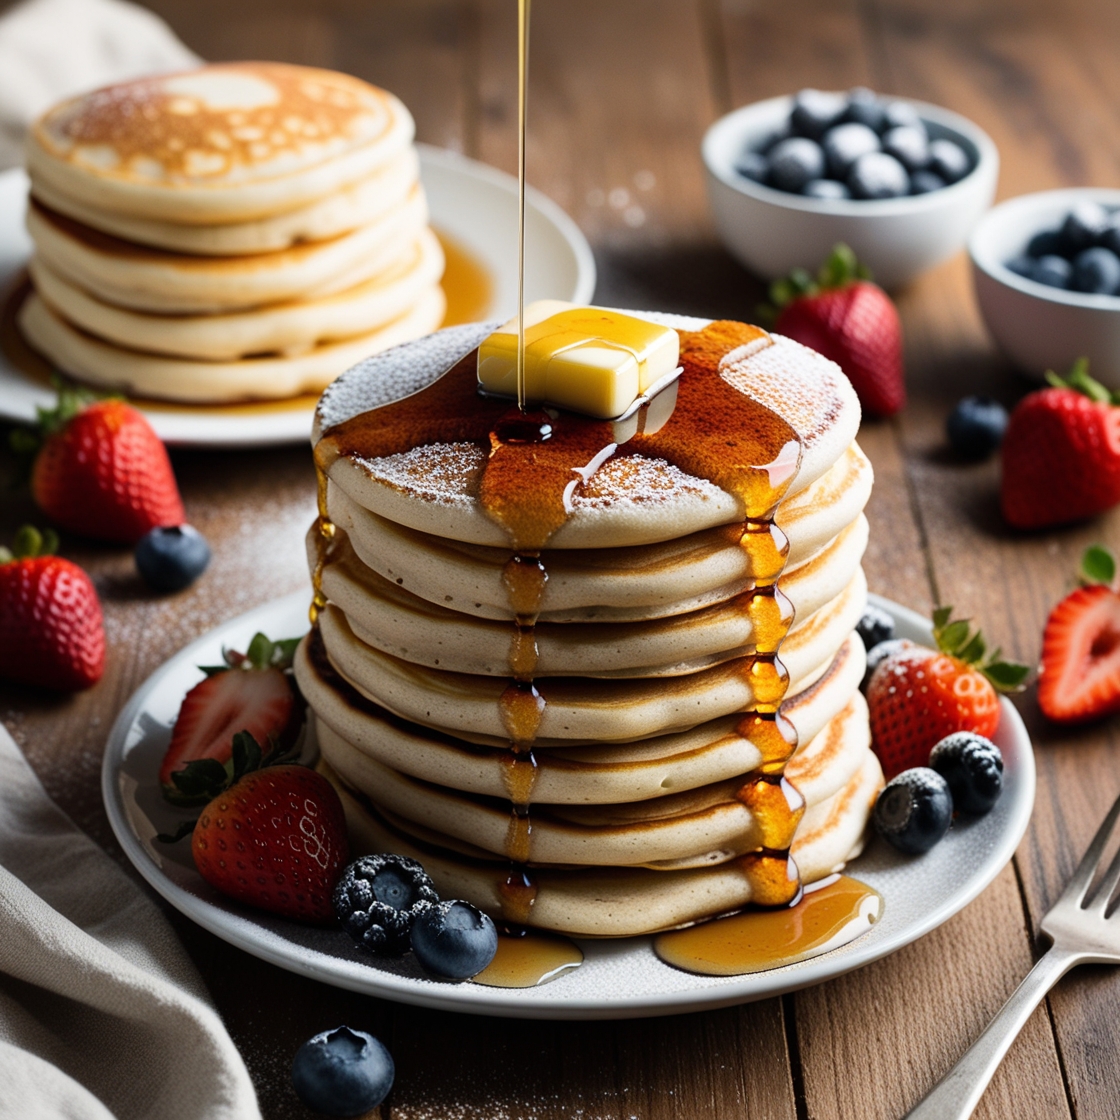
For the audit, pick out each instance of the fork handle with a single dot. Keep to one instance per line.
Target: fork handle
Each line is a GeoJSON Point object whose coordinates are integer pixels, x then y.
{"type": "Point", "coordinates": [957, 1093]}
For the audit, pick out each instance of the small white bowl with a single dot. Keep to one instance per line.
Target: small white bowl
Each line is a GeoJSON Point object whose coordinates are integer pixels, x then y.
{"type": "Point", "coordinates": [1036, 326]}
{"type": "Point", "coordinates": [772, 232]}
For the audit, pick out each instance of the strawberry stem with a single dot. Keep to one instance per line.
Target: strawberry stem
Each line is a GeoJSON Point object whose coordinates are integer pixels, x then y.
{"type": "Point", "coordinates": [956, 638]}
{"type": "Point", "coordinates": [1079, 380]}
{"type": "Point", "coordinates": [840, 269]}
{"type": "Point", "coordinates": [30, 543]}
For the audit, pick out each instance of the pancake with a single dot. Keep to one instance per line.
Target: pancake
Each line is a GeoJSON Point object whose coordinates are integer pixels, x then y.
{"type": "Point", "coordinates": [226, 143]}
{"type": "Point", "coordinates": [290, 328]}
{"type": "Point", "coordinates": [588, 708]}
{"type": "Point", "coordinates": [595, 584]}
{"type": "Point", "coordinates": [179, 379]}
{"type": "Point", "coordinates": [144, 279]}
{"type": "Point", "coordinates": [616, 901]}
{"type": "Point", "coordinates": [350, 726]}
{"type": "Point", "coordinates": [355, 205]}
{"type": "Point", "coordinates": [630, 500]}
{"type": "Point", "coordinates": [387, 617]}
{"type": "Point", "coordinates": [695, 827]}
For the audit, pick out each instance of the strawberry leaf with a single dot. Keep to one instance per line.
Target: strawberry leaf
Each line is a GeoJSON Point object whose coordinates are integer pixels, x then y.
{"type": "Point", "coordinates": [940, 616]}
{"type": "Point", "coordinates": [284, 651]}
{"type": "Point", "coordinates": [952, 638]}
{"type": "Point", "coordinates": [246, 754]}
{"type": "Point", "coordinates": [201, 780]}
{"type": "Point", "coordinates": [185, 829]}
{"type": "Point", "coordinates": [259, 653]}
{"type": "Point", "coordinates": [973, 652]}
{"type": "Point", "coordinates": [1079, 380]}
{"type": "Point", "coordinates": [1098, 565]}
{"type": "Point", "coordinates": [1007, 676]}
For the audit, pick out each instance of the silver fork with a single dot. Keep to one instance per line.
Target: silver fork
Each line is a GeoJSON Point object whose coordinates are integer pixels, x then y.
{"type": "Point", "coordinates": [1082, 930]}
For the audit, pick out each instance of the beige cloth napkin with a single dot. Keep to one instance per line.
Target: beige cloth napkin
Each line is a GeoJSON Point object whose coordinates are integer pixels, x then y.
{"type": "Point", "coordinates": [102, 1014]}
{"type": "Point", "coordinates": [50, 49]}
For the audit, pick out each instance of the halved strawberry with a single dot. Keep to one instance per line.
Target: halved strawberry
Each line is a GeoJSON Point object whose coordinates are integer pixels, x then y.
{"type": "Point", "coordinates": [252, 692]}
{"type": "Point", "coordinates": [1079, 678]}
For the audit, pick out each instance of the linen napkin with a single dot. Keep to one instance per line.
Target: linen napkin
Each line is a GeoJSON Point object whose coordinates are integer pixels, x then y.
{"type": "Point", "coordinates": [50, 49]}
{"type": "Point", "coordinates": [102, 1014]}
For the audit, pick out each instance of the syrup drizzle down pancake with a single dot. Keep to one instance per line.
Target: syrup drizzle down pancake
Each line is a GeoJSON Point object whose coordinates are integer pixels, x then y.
{"type": "Point", "coordinates": [582, 677]}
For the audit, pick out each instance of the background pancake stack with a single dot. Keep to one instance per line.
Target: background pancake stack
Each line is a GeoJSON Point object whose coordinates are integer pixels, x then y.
{"type": "Point", "coordinates": [635, 805]}
{"type": "Point", "coordinates": [241, 231]}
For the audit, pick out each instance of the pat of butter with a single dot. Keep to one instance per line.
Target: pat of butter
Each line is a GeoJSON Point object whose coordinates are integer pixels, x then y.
{"type": "Point", "coordinates": [587, 359]}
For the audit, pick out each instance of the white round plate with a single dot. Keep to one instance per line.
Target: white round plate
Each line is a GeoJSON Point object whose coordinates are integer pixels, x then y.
{"type": "Point", "coordinates": [475, 205]}
{"type": "Point", "coordinates": [619, 979]}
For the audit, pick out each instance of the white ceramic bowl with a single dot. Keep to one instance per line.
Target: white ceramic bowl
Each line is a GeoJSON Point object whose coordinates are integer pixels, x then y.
{"type": "Point", "coordinates": [772, 232]}
{"type": "Point", "coordinates": [1039, 327]}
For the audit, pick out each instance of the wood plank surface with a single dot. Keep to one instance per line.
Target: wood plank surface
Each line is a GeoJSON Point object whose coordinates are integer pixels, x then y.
{"type": "Point", "coordinates": [621, 94]}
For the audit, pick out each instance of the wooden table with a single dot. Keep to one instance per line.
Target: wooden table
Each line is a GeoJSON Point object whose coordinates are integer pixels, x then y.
{"type": "Point", "coordinates": [621, 94]}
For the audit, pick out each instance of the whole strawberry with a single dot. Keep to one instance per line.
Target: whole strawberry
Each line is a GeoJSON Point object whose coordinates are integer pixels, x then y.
{"type": "Point", "coordinates": [918, 695]}
{"type": "Point", "coordinates": [102, 472]}
{"type": "Point", "coordinates": [275, 838]}
{"type": "Point", "coordinates": [849, 320]}
{"type": "Point", "coordinates": [51, 632]}
{"type": "Point", "coordinates": [1061, 453]}
{"type": "Point", "coordinates": [1079, 676]}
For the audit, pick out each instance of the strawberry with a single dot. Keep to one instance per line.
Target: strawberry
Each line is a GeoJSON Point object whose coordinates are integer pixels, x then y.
{"type": "Point", "coordinates": [101, 471]}
{"type": "Point", "coordinates": [919, 695]}
{"type": "Point", "coordinates": [1061, 453]}
{"type": "Point", "coordinates": [273, 837]}
{"type": "Point", "coordinates": [250, 692]}
{"type": "Point", "coordinates": [845, 317]}
{"type": "Point", "coordinates": [51, 632]}
{"type": "Point", "coordinates": [1079, 678]}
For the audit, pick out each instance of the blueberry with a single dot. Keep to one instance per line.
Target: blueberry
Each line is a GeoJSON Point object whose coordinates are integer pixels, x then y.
{"type": "Point", "coordinates": [826, 188]}
{"type": "Point", "coordinates": [875, 626]}
{"type": "Point", "coordinates": [878, 653]}
{"type": "Point", "coordinates": [976, 427]}
{"type": "Point", "coordinates": [753, 165]}
{"type": "Point", "coordinates": [909, 145]}
{"type": "Point", "coordinates": [379, 897]}
{"type": "Point", "coordinates": [1021, 265]}
{"type": "Point", "coordinates": [949, 160]}
{"type": "Point", "coordinates": [1084, 225]}
{"type": "Point", "coordinates": [795, 162]}
{"type": "Point", "coordinates": [878, 175]}
{"type": "Point", "coordinates": [925, 181]}
{"type": "Point", "coordinates": [1096, 270]}
{"type": "Point", "coordinates": [898, 114]}
{"type": "Point", "coordinates": [973, 768]}
{"type": "Point", "coordinates": [1052, 270]}
{"type": "Point", "coordinates": [864, 107]}
{"type": "Point", "coordinates": [815, 112]}
{"type": "Point", "coordinates": [1110, 239]}
{"type": "Point", "coordinates": [455, 940]}
{"type": "Point", "coordinates": [845, 143]}
{"type": "Point", "coordinates": [914, 810]}
{"type": "Point", "coordinates": [172, 557]}
{"type": "Point", "coordinates": [1047, 243]}
{"type": "Point", "coordinates": [342, 1072]}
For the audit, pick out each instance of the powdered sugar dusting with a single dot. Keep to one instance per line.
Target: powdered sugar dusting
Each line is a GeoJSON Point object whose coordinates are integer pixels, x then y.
{"type": "Point", "coordinates": [639, 481]}
{"type": "Point", "coordinates": [396, 373]}
{"type": "Point", "coordinates": [443, 473]}
{"type": "Point", "coordinates": [805, 389]}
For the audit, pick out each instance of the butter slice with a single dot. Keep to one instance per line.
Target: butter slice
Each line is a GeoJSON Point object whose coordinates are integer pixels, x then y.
{"type": "Point", "coordinates": [586, 359]}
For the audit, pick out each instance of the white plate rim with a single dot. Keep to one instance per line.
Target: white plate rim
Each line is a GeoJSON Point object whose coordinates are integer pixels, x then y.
{"type": "Point", "coordinates": [199, 428]}
{"type": "Point", "coordinates": [242, 932]}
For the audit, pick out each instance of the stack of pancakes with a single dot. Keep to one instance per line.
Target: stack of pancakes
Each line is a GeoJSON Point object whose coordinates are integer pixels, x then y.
{"type": "Point", "coordinates": [629, 815]}
{"type": "Point", "coordinates": [240, 231]}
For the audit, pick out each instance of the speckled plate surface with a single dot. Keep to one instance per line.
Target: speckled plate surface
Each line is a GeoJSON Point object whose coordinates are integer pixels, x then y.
{"type": "Point", "coordinates": [619, 979]}
{"type": "Point", "coordinates": [475, 205]}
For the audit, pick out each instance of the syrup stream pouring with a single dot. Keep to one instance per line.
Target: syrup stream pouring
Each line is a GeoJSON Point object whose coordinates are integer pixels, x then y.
{"type": "Point", "coordinates": [1084, 928]}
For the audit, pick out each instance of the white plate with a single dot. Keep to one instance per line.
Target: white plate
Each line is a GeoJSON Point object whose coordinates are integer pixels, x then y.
{"type": "Point", "coordinates": [620, 978]}
{"type": "Point", "coordinates": [475, 205]}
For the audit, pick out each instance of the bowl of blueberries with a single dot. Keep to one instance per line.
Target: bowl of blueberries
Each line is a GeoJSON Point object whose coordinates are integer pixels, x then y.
{"type": "Point", "coordinates": [1046, 268]}
{"type": "Point", "coordinates": [903, 183]}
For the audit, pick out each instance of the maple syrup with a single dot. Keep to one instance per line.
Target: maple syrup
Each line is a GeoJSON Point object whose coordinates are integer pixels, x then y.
{"type": "Point", "coordinates": [536, 461]}
{"type": "Point", "coordinates": [828, 915]}
{"type": "Point", "coordinates": [528, 958]}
